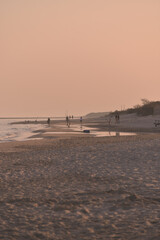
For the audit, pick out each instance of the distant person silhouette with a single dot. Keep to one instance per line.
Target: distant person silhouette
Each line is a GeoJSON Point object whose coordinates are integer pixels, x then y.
{"type": "Point", "coordinates": [117, 118]}
{"type": "Point", "coordinates": [67, 121]}
{"type": "Point", "coordinates": [49, 121]}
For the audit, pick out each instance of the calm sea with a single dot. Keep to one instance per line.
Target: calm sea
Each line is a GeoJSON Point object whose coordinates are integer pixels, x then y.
{"type": "Point", "coordinates": [18, 132]}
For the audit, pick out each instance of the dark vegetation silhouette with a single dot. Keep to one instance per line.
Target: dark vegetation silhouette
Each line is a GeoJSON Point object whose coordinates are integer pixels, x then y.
{"type": "Point", "coordinates": [144, 109]}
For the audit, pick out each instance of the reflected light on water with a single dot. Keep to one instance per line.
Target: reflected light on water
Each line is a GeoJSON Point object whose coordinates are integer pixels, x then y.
{"type": "Point", "coordinates": [79, 129]}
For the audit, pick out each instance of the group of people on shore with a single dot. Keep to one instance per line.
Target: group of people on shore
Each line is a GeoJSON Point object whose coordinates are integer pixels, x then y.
{"type": "Point", "coordinates": [68, 120]}
{"type": "Point", "coordinates": [116, 116]}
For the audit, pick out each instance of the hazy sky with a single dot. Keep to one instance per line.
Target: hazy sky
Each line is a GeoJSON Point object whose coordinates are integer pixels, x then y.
{"type": "Point", "coordinates": [77, 56]}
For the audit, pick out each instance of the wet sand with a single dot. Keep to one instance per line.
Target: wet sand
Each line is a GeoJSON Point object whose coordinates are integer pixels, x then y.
{"type": "Point", "coordinates": [80, 187]}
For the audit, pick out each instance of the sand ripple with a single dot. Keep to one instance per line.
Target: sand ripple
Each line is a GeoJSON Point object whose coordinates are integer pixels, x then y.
{"type": "Point", "coordinates": [82, 189]}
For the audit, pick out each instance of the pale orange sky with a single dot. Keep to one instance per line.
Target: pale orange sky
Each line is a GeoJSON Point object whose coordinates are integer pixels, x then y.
{"type": "Point", "coordinates": [77, 56]}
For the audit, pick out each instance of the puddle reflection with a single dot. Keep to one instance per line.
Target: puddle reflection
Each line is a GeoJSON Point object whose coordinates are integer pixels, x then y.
{"type": "Point", "coordinates": [100, 133]}
{"type": "Point", "coordinates": [81, 129]}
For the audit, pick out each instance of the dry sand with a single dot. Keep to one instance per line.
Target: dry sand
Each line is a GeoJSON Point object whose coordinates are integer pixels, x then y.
{"type": "Point", "coordinates": [128, 122]}
{"type": "Point", "coordinates": [80, 187]}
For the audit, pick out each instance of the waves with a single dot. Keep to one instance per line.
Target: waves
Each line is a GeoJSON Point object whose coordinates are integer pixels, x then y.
{"type": "Point", "coordinates": [18, 132]}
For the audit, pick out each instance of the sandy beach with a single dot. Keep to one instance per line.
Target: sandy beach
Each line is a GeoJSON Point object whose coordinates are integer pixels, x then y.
{"type": "Point", "coordinates": [76, 186]}
{"type": "Point", "coordinates": [79, 120]}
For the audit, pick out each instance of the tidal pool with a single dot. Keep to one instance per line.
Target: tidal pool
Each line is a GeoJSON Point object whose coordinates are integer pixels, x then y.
{"type": "Point", "coordinates": [79, 129]}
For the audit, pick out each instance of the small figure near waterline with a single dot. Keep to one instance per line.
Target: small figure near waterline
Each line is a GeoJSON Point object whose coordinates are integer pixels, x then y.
{"type": "Point", "coordinates": [49, 121]}
{"type": "Point", "coordinates": [81, 119]}
{"type": "Point", "coordinates": [67, 121]}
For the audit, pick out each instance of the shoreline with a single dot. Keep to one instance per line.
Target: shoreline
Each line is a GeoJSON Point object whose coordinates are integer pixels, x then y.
{"type": "Point", "coordinates": [74, 186]}
{"type": "Point", "coordinates": [80, 188]}
{"type": "Point", "coordinates": [58, 130]}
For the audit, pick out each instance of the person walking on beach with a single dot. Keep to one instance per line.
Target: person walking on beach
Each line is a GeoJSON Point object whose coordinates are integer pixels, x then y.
{"type": "Point", "coordinates": [117, 117]}
{"type": "Point", "coordinates": [81, 120]}
{"type": "Point", "coordinates": [67, 121]}
{"type": "Point", "coordinates": [49, 121]}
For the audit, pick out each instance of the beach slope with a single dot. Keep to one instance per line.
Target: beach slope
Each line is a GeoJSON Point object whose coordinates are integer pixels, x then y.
{"type": "Point", "coordinates": [81, 188]}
